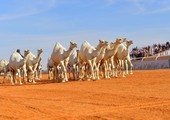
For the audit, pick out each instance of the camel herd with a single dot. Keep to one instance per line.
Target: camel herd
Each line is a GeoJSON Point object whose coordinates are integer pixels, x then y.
{"type": "Point", "coordinates": [91, 63]}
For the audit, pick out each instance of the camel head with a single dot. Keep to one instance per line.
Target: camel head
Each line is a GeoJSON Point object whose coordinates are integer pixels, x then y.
{"type": "Point", "coordinates": [129, 42]}
{"type": "Point", "coordinates": [120, 40]}
{"type": "Point", "coordinates": [103, 43]}
{"type": "Point", "coordinates": [112, 44]}
{"type": "Point", "coordinates": [26, 52]}
{"type": "Point", "coordinates": [39, 51]}
{"type": "Point", "coordinates": [73, 45]}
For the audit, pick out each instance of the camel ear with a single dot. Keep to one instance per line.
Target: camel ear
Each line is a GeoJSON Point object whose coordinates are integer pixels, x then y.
{"type": "Point", "coordinates": [71, 42]}
{"type": "Point", "coordinates": [28, 51]}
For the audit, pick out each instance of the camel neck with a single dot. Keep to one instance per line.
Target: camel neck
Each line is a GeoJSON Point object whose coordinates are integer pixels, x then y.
{"type": "Point", "coordinates": [36, 59]}
{"type": "Point", "coordinates": [96, 52]}
{"type": "Point", "coordinates": [67, 53]}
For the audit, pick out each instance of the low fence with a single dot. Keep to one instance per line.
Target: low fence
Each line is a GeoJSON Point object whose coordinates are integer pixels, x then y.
{"type": "Point", "coordinates": [154, 62]}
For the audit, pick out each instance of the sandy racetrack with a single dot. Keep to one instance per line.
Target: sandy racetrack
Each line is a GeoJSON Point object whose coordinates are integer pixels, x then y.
{"type": "Point", "coordinates": [145, 95]}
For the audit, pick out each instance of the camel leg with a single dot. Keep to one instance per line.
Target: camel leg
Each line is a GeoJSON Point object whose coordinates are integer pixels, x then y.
{"type": "Point", "coordinates": [97, 71]}
{"type": "Point", "coordinates": [130, 66]}
{"type": "Point", "coordinates": [24, 74]}
{"type": "Point", "coordinates": [126, 67]}
{"type": "Point", "coordinates": [12, 77]}
{"type": "Point", "coordinates": [64, 71]}
{"type": "Point", "coordinates": [91, 69]}
{"type": "Point", "coordinates": [19, 76]}
{"type": "Point", "coordinates": [40, 74]}
{"type": "Point", "coordinates": [81, 72]}
{"type": "Point", "coordinates": [55, 73]}
{"type": "Point", "coordinates": [32, 74]}
{"type": "Point", "coordinates": [49, 74]}
{"type": "Point", "coordinates": [69, 72]}
{"type": "Point", "coordinates": [74, 72]}
{"type": "Point", "coordinates": [116, 69]}
{"type": "Point", "coordinates": [123, 68]}
{"type": "Point", "coordinates": [106, 70]}
{"type": "Point", "coordinates": [36, 75]}
{"type": "Point", "coordinates": [112, 67]}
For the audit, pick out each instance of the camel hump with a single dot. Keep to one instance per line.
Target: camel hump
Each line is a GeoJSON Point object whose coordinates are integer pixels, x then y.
{"type": "Point", "coordinates": [58, 47]}
{"type": "Point", "coordinates": [87, 45]}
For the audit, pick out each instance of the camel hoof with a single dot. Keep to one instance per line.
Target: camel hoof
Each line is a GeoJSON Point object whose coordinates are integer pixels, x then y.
{"type": "Point", "coordinates": [29, 80]}
{"type": "Point", "coordinates": [37, 78]}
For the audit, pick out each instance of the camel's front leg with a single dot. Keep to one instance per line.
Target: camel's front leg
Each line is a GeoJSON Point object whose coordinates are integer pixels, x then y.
{"type": "Point", "coordinates": [91, 69]}
{"type": "Point", "coordinates": [64, 71]}
{"type": "Point", "coordinates": [32, 74]}
{"type": "Point", "coordinates": [112, 67]}
{"type": "Point", "coordinates": [12, 77]}
{"type": "Point", "coordinates": [19, 76]}
{"type": "Point", "coordinates": [131, 66]}
{"type": "Point", "coordinates": [97, 71]}
{"type": "Point", "coordinates": [25, 73]}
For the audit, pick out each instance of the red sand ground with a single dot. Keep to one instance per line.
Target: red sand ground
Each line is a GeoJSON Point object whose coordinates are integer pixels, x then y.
{"type": "Point", "coordinates": [145, 95]}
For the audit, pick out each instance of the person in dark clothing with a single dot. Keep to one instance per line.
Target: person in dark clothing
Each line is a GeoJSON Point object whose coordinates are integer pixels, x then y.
{"type": "Point", "coordinates": [18, 50]}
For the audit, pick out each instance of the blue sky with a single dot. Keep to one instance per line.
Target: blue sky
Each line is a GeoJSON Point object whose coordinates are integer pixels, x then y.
{"type": "Point", "coordinates": [33, 24]}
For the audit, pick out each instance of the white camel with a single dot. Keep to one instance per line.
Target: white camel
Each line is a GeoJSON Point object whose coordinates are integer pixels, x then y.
{"type": "Point", "coordinates": [3, 67]}
{"type": "Point", "coordinates": [3, 64]}
{"type": "Point", "coordinates": [59, 57]}
{"type": "Point", "coordinates": [97, 62]}
{"type": "Point", "coordinates": [109, 54]}
{"type": "Point", "coordinates": [122, 57]}
{"type": "Point", "coordinates": [87, 53]}
{"type": "Point", "coordinates": [38, 73]}
{"type": "Point", "coordinates": [32, 63]}
{"type": "Point", "coordinates": [73, 64]}
{"type": "Point", "coordinates": [16, 63]}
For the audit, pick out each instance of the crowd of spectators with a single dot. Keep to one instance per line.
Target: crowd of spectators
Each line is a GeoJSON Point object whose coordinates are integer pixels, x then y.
{"type": "Point", "coordinates": [149, 50]}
